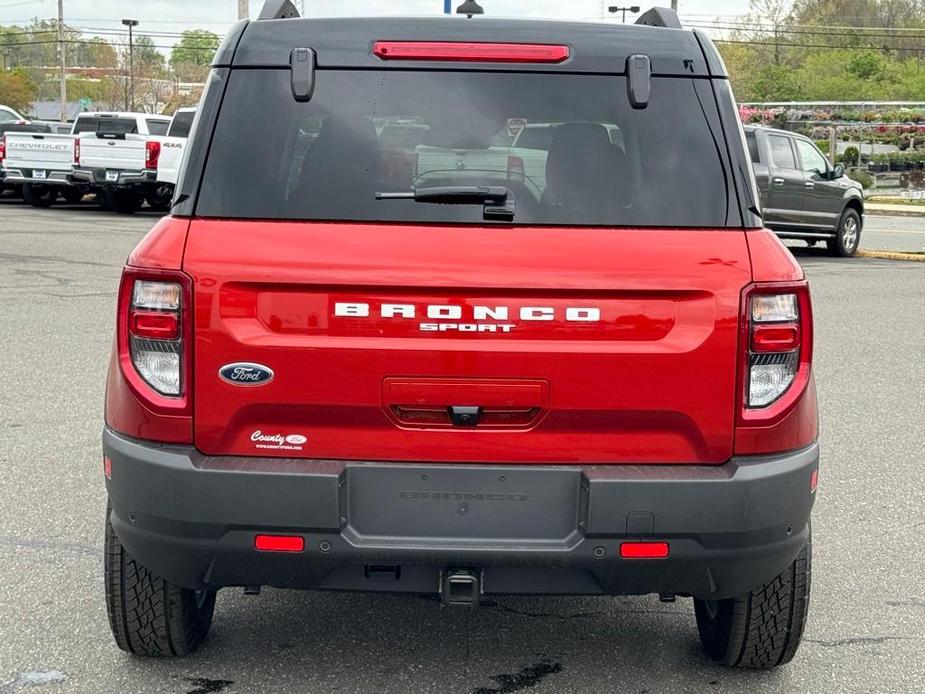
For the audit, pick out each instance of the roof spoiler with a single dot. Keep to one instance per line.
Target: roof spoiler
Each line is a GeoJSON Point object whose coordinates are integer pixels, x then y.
{"type": "Point", "coordinates": [278, 9]}
{"type": "Point", "coordinates": [657, 17]}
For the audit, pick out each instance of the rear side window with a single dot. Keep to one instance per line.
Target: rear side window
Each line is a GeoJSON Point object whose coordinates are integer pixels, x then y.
{"type": "Point", "coordinates": [781, 152]}
{"type": "Point", "coordinates": [90, 124]}
{"type": "Point", "coordinates": [181, 124]}
{"type": "Point", "coordinates": [752, 140]}
{"type": "Point", "coordinates": [593, 161]}
{"type": "Point", "coordinates": [157, 127]}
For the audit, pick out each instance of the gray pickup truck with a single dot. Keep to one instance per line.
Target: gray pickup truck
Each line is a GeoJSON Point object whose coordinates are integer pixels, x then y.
{"type": "Point", "coordinates": [802, 195]}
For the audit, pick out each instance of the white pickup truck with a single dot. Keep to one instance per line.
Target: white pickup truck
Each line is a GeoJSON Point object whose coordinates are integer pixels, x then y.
{"type": "Point", "coordinates": [172, 146]}
{"type": "Point", "coordinates": [523, 161]}
{"type": "Point", "coordinates": [40, 161]}
{"type": "Point", "coordinates": [119, 159]}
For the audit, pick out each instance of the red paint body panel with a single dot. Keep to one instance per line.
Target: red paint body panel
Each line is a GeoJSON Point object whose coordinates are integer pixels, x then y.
{"type": "Point", "coordinates": [770, 259]}
{"type": "Point", "coordinates": [792, 422]}
{"type": "Point", "coordinates": [162, 247]}
{"type": "Point", "coordinates": [652, 381]}
{"type": "Point", "coordinates": [132, 407]}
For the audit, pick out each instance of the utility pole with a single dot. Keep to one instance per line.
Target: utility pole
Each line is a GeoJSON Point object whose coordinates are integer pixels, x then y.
{"type": "Point", "coordinates": [62, 112]}
{"type": "Point", "coordinates": [244, 9]}
{"type": "Point", "coordinates": [674, 5]}
{"type": "Point", "coordinates": [131, 23]}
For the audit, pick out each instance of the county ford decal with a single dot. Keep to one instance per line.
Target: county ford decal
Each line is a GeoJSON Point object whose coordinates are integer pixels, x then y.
{"type": "Point", "coordinates": [245, 373]}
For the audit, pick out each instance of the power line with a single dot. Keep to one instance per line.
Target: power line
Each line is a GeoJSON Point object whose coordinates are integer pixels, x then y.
{"type": "Point", "coordinates": [777, 44]}
{"type": "Point", "coordinates": [786, 29]}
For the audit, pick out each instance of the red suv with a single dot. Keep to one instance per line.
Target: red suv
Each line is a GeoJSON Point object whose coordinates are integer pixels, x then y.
{"type": "Point", "coordinates": [376, 346]}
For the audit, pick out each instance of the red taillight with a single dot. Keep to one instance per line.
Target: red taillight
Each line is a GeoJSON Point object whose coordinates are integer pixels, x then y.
{"type": "Point", "coordinates": [77, 151]}
{"type": "Point", "coordinates": [154, 337]}
{"type": "Point", "coordinates": [2, 148]}
{"type": "Point", "coordinates": [470, 52]}
{"type": "Point", "coordinates": [279, 543]}
{"type": "Point", "coordinates": [152, 154]}
{"type": "Point", "coordinates": [777, 339]}
{"type": "Point", "coordinates": [515, 169]}
{"type": "Point", "coordinates": [644, 550]}
{"type": "Point", "coordinates": [154, 325]}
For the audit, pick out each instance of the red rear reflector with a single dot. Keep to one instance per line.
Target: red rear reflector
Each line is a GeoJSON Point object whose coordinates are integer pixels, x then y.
{"type": "Point", "coordinates": [644, 550]}
{"type": "Point", "coordinates": [279, 543]}
{"type": "Point", "coordinates": [470, 52]}
{"type": "Point", "coordinates": [775, 338]}
{"type": "Point", "coordinates": [107, 467]}
{"type": "Point", "coordinates": [155, 325]}
{"type": "Point", "coordinates": [814, 480]}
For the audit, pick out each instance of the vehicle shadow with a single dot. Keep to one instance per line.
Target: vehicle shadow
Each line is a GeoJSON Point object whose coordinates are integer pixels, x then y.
{"type": "Point", "coordinates": [315, 641]}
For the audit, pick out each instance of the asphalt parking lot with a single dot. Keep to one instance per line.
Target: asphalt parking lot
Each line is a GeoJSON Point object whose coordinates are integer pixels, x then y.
{"type": "Point", "coordinates": [58, 276]}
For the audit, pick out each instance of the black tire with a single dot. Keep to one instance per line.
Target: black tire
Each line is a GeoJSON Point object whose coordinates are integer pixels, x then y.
{"type": "Point", "coordinates": [148, 614]}
{"type": "Point", "coordinates": [123, 202]}
{"type": "Point", "coordinates": [38, 195]}
{"type": "Point", "coordinates": [160, 198]}
{"type": "Point", "coordinates": [73, 195]}
{"type": "Point", "coordinates": [848, 237]}
{"type": "Point", "coordinates": [762, 628]}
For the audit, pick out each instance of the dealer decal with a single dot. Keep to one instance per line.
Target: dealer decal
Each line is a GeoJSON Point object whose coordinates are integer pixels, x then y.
{"type": "Point", "coordinates": [278, 442]}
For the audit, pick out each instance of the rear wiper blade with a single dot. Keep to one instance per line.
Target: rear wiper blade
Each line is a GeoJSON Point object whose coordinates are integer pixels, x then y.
{"type": "Point", "coordinates": [498, 201]}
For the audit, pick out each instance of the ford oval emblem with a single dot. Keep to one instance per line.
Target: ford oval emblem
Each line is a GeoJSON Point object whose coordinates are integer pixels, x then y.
{"type": "Point", "coordinates": [245, 373]}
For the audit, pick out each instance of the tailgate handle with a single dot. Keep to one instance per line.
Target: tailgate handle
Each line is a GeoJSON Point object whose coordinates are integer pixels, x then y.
{"type": "Point", "coordinates": [465, 403]}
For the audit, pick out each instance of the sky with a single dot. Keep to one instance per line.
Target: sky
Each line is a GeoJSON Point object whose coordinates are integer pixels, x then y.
{"type": "Point", "coordinates": [174, 16]}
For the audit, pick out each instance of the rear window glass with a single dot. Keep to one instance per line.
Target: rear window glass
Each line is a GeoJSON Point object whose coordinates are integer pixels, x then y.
{"type": "Point", "coordinates": [594, 159]}
{"type": "Point", "coordinates": [181, 124]}
{"type": "Point", "coordinates": [781, 152]}
{"type": "Point", "coordinates": [157, 127]}
{"type": "Point", "coordinates": [89, 124]}
{"type": "Point", "coordinates": [752, 141]}
{"type": "Point", "coordinates": [24, 128]}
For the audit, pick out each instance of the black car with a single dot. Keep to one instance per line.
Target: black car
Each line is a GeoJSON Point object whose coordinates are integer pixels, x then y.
{"type": "Point", "coordinates": [802, 195]}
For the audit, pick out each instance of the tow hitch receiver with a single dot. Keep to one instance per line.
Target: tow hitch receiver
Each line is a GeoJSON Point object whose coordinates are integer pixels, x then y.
{"type": "Point", "coordinates": [461, 588]}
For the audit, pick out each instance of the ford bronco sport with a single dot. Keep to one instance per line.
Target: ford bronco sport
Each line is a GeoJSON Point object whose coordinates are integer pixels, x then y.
{"type": "Point", "coordinates": [338, 369]}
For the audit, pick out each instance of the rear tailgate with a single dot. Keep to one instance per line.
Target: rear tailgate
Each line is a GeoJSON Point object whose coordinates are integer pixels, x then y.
{"type": "Point", "coordinates": [39, 151]}
{"type": "Point", "coordinates": [168, 164]}
{"type": "Point", "coordinates": [590, 345]}
{"type": "Point", "coordinates": [103, 153]}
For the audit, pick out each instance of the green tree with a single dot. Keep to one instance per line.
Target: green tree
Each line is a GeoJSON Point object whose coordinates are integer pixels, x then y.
{"type": "Point", "coordinates": [196, 47]}
{"type": "Point", "coordinates": [17, 89]}
{"type": "Point", "coordinates": [149, 61]}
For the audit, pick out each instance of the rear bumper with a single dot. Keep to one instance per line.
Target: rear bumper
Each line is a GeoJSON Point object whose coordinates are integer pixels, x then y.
{"type": "Point", "coordinates": [522, 529]}
{"type": "Point", "coordinates": [52, 178]}
{"type": "Point", "coordinates": [123, 179]}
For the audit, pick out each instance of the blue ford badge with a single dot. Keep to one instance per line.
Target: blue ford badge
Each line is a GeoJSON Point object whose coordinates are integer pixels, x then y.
{"type": "Point", "coordinates": [245, 373]}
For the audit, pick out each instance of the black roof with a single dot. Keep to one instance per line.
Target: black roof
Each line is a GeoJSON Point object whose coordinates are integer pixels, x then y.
{"type": "Point", "coordinates": [347, 43]}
